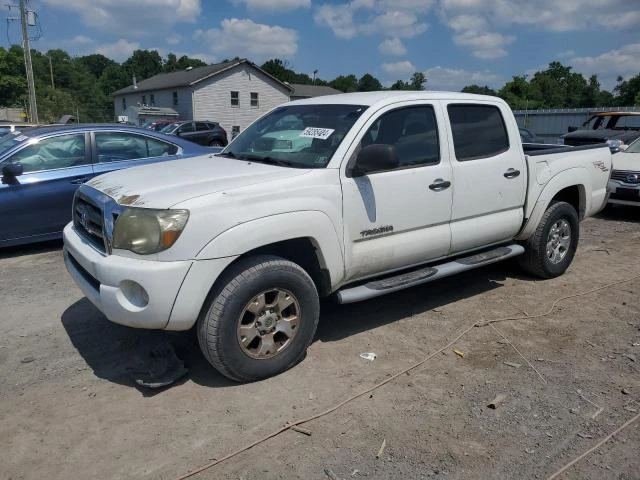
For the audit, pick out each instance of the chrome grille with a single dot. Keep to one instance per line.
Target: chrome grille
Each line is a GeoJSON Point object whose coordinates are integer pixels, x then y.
{"type": "Point", "coordinates": [88, 221]}
{"type": "Point", "coordinates": [626, 176]}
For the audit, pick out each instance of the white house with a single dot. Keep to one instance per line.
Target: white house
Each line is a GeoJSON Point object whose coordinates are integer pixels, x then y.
{"type": "Point", "coordinates": [233, 93]}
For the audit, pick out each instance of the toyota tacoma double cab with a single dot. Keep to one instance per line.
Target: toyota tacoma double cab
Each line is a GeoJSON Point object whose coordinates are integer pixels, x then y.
{"type": "Point", "coordinates": [388, 190]}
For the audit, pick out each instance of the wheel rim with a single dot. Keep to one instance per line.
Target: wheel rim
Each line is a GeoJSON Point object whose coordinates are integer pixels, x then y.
{"type": "Point", "coordinates": [268, 323]}
{"type": "Point", "coordinates": [558, 241]}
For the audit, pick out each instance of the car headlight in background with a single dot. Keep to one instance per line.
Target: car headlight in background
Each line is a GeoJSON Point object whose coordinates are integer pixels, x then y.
{"type": "Point", "coordinates": [145, 231]}
{"type": "Point", "coordinates": [615, 144]}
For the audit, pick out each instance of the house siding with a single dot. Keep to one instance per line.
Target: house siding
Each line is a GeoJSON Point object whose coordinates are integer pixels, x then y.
{"type": "Point", "coordinates": [163, 98]}
{"type": "Point", "coordinates": [212, 97]}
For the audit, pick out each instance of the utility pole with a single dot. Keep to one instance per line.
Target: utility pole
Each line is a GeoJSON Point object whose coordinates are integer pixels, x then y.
{"type": "Point", "coordinates": [33, 107]}
{"type": "Point", "coordinates": [53, 87]}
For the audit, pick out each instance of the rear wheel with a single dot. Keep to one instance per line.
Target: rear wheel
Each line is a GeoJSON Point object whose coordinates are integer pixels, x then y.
{"type": "Point", "coordinates": [260, 319]}
{"type": "Point", "coordinates": [215, 143]}
{"type": "Point", "coordinates": [551, 248]}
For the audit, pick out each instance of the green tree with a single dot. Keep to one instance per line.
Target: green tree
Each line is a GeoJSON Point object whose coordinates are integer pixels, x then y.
{"type": "Point", "coordinates": [477, 89]}
{"type": "Point", "coordinates": [399, 85]}
{"type": "Point", "coordinates": [626, 91]}
{"type": "Point", "coordinates": [418, 81]}
{"type": "Point", "coordinates": [345, 83]}
{"type": "Point", "coordinates": [144, 64]}
{"type": "Point", "coordinates": [369, 83]}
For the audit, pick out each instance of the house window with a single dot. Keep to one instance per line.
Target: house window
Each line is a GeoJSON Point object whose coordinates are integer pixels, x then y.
{"type": "Point", "coordinates": [235, 99]}
{"type": "Point", "coordinates": [152, 99]}
{"type": "Point", "coordinates": [144, 99]}
{"type": "Point", "coordinates": [124, 103]}
{"type": "Point", "coordinates": [254, 99]}
{"type": "Point", "coordinates": [175, 98]}
{"type": "Point", "coordinates": [235, 130]}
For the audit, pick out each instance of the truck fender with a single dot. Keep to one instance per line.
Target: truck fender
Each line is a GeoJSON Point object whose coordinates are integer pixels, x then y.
{"type": "Point", "coordinates": [577, 176]}
{"type": "Point", "coordinates": [312, 224]}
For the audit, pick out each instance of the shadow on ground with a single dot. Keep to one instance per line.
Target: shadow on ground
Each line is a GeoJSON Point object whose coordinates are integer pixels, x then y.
{"type": "Point", "coordinates": [116, 353]}
{"type": "Point", "coordinates": [621, 213]}
{"type": "Point", "coordinates": [30, 249]}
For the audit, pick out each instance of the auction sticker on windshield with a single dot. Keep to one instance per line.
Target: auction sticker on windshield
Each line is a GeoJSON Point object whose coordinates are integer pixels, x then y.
{"type": "Point", "coordinates": [317, 132]}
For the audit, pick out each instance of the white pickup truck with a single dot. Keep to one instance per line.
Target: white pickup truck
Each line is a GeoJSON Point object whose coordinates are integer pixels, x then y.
{"type": "Point", "coordinates": [351, 196]}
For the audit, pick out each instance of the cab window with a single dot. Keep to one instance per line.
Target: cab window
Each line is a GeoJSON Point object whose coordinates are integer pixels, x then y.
{"type": "Point", "coordinates": [51, 153]}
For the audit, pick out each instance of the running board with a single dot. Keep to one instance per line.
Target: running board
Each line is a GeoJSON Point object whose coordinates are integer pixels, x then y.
{"type": "Point", "coordinates": [375, 288]}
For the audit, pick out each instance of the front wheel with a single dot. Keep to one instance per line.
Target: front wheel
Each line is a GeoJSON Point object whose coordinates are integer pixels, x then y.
{"type": "Point", "coordinates": [551, 248]}
{"type": "Point", "coordinates": [259, 319]}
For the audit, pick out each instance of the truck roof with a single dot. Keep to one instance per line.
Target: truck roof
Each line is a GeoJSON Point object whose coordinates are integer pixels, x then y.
{"type": "Point", "coordinates": [391, 96]}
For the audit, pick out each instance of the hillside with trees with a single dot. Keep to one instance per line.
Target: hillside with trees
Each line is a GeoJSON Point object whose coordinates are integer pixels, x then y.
{"type": "Point", "coordinates": [82, 85]}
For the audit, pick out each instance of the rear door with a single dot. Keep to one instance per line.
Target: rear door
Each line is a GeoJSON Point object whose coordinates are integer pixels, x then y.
{"type": "Point", "coordinates": [115, 150]}
{"type": "Point", "coordinates": [489, 175]}
{"type": "Point", "coordinates": [398, 218]}
{"type": "Point", "coordinates": [38, 202]}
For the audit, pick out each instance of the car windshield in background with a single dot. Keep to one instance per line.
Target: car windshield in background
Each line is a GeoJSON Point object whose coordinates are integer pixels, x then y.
{"type": "Point", "coordinates": [169, 128]}
{"type": "Point", "coordinates": [634, 147]}
{"type": "Point", "coordinates": [10, 140]}
{"type": "Point", "coordinates": [302, 136]}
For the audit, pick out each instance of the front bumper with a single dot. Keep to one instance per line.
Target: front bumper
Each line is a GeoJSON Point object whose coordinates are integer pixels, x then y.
{"type": "Point", "coordinates": [621, 193]}
{"type": "Point", "coordinates": [136, 293]}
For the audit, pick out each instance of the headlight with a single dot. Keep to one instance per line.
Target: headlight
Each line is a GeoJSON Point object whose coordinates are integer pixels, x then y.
{"type": "Point", "coordinates": [146, 231]}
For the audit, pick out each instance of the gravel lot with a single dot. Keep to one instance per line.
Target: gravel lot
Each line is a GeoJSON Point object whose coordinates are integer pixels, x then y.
{"type": "Point", "coordinates": [70, 409]}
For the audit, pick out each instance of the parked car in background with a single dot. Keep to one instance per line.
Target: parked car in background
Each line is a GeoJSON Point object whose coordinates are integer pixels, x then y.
{"type": "Point", "coordinates": [203, 133]}
{"type": "Point", "coordinates": [42, 167]}
{"type": "Point", "coordinates": [527, 136]}
{"type": "Point", "coordinates": [616, 129]}
{"type": "Point", "coordinates": [157, 125]}
{"type": "Point", "coordinates": [8, 127]}
{"type": "Point", "coordinates": [624, 185]}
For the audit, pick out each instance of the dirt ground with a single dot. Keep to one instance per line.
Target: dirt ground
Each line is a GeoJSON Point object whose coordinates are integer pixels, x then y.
{"type": "Point", "coordinates": [70, 409]}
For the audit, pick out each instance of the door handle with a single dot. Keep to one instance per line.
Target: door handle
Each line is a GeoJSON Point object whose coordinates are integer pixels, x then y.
{"type": "Point", "coordinates": [511, 173]}
{"type": "Point", "coordinates": [439, 184]}
{"type": "Point", "coordinates": [80, 181]}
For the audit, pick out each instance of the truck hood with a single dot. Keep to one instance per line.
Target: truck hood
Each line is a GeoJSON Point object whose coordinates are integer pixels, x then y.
{"type": "Point", "coordinates": [626, 161]}
{"type": "Point", "coordinates": [166, 184]}
{"type": "Point", "coordinates": [601, 136]}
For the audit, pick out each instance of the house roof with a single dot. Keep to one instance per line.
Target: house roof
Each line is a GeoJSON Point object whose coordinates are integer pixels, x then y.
{"type": "Point", "coordinates": [309, 91]}
{"type": "Point", "coordinates": [188, 77]}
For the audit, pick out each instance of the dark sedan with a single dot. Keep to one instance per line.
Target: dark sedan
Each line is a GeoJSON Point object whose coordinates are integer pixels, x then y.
{"type": "Point", "coordinates": [42, 167]}
{"type": "Point", "coordinates": [203, 133]}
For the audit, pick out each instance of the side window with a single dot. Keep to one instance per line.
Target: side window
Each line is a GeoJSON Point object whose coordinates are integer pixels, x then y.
{"type": "Point", "coordinates": [478, 131]}
{"type": "Point", "coordinates": [235, 99]}
{"type": "Point", "coordinates": [202, 126]}
{"type": "Point", "coordinates": [187, 127]}
{"type": "Point", "coordinates": [235, 130]}
{"type": "Point", "coordinates": [254, 99]}
{"type": "Point", "coordinates": [174, 95]}
{"type": "Point", "coordinates": [413, 131]}
{"type": "Point", "coordinates": [119, 146]}
{"type": "Point", "coordinates": [51, 153]}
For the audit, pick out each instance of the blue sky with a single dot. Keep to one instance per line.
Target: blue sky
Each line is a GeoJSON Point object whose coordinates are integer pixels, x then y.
{"type": "Point", "coordinates": [455, 42]}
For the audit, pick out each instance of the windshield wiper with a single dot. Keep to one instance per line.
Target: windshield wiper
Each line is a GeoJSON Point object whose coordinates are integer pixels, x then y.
{"type": "Point", "coordinates": [229, 155]}
{"type": "Point", "coordinates": [270, 161]}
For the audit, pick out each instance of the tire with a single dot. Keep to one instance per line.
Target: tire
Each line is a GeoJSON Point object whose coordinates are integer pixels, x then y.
{"type": "Point", "coordinates": [259, 318]}
{"type": "Point", "coordinates": [536, 260]}
{"type": "Point", "coordinates": [215, 143]}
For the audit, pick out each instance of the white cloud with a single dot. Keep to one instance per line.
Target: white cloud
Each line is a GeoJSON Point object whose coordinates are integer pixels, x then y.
{"type": "Point", "coordinates": [566, 54]}
{"type": "Point", "coordinates": [244, 37]}
{"type": "Point", "coordinates": [443, 78]}
{"type": "Point", "coordinates": [80, 40]}
{"type": "Point", "coordinates": [624, 61]}
{"type": "Point", "coordinates": [274, 5]}
{"type": "Point", "coordinates": [479, 25]}
{"type": "Point", "coordinates": [400, 69]}
{"type": "Point", "coordinates": [174, 39]}
{"type": "Point", "coordinates": [387, 17]}
{"type": "Point", "coordinates": [392, 46]}
{"type": "Point", "coordinates": [137, 18]}
{"type": "Point", "coordinates": [118, 51]}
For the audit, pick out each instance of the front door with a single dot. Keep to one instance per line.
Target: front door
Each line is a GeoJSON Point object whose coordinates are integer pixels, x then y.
{"type": "Point", "coordinates": [38, 202]}
{"type": "Point", "coordinates": [399, 218]}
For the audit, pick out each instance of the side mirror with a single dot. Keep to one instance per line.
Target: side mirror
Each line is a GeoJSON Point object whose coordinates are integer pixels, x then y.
{"type": "Point", "coordinates": [374, 158]}
{"type": "Point", "coordinates": [572, 129]}
{"type": "Point", "coordinates": [12, 170]}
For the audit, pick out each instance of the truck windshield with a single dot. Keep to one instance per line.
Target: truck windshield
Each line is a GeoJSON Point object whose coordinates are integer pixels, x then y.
{"type": "Point", "coordinates": [301, 136]}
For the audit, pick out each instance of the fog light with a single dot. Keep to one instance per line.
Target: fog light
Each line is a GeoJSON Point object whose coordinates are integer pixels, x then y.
{"type": "Point", "coordinates": [134, 293]}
